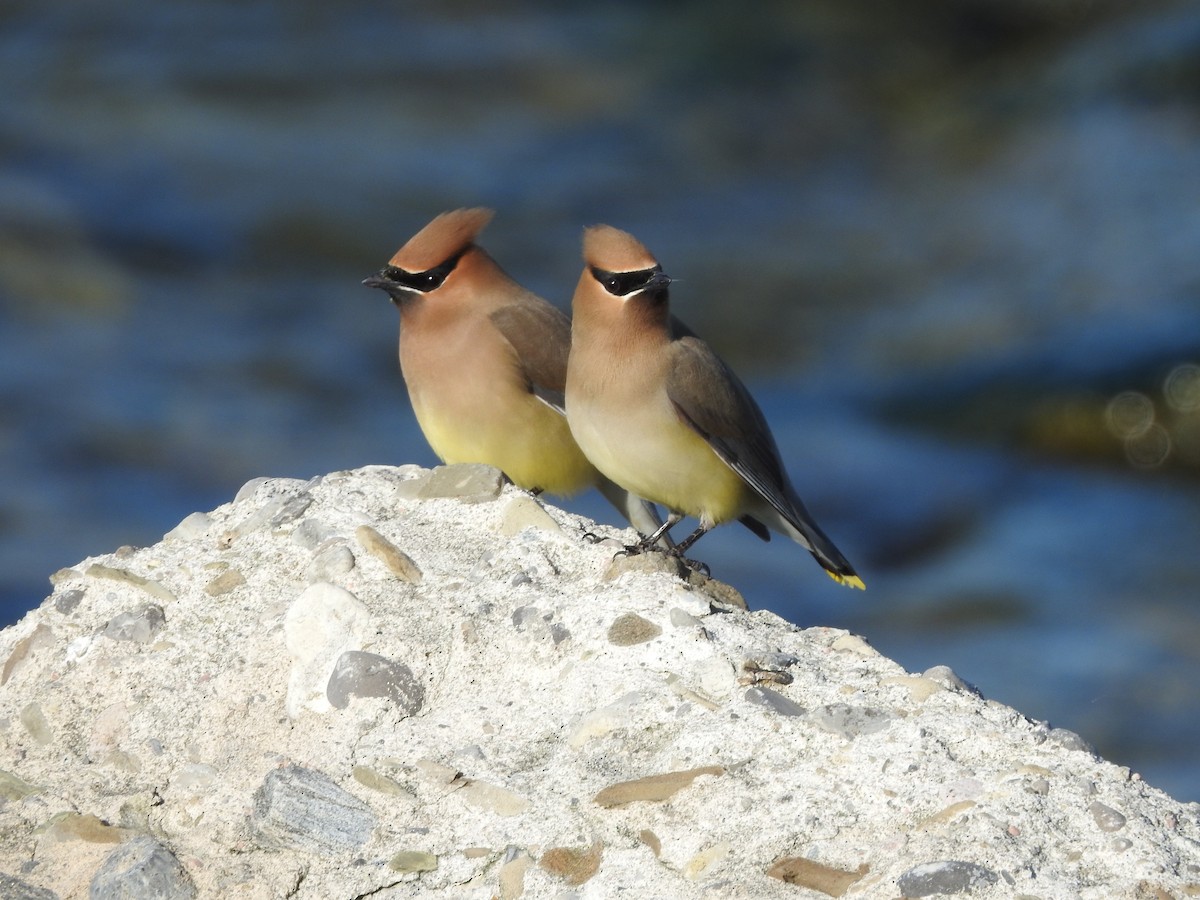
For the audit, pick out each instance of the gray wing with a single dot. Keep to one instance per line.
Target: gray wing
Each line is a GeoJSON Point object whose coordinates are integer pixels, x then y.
{"type": "Point", "coordinates": [717, 406]}
{"type": "Point", "coordinates": [711, 399]}
{"type": "Point", "coordinates": [541, 336]}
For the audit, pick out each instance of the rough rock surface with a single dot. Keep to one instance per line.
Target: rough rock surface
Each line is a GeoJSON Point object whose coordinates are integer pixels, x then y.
{"type": "Point", "coordinates": [398, 683]}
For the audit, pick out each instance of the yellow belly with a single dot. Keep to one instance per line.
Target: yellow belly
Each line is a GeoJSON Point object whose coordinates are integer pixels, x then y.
{"type": "Point", "coordinates": [530, 443]}
{"type": "Point", "coordinates": [655, 455]}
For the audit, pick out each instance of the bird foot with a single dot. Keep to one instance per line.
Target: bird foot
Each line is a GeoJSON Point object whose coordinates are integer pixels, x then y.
{"type": "Point", "coordinates": [694, 565]}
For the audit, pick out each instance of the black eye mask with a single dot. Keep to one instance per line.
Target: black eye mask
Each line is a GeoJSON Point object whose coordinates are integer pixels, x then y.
{"type": "Point", "coordinates": [619, 284]}
{"type": "Point", "coordinates": [421, 282]}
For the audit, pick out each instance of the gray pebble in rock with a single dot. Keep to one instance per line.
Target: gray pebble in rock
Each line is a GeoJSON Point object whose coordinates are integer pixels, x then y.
{"type": "Point", "coordinates": [141, 869]}
{"type": "Point", "coordinates": [774, 701]}
{"type": "Point", "coordinates": [360, 674]}
{"type": "Point", "coordinates": [527, 617]}
{"type": "Point", "coordinates": [138, 625]}
{"type": "Point", "coordinates": [1069, 740]}
{"type": "Point", "coordinates": [1107, 818]}
{"type": "Point", "coordinates": [311, 533]}
{"type": "Point", "coordinates": [468, 482]}
{"type": "Point", "coordinates": [68, 601]}
{"type": "Point", "coordinates": [15, 889]}
{"type": "Point", "coordinates": [851, 721]}
{"type": "Point", "coordinates": [302, 809]}
{"type": "Point", "coordinates": [264, 489]}
{"type": "Point", "coordinates": [292, 509]}
{"type": "Point", "coordinates": [950, 876]}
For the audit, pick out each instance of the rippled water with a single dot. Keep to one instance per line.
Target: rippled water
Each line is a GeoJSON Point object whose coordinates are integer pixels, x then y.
{"type": "Point", "coordinates": [953, 252]}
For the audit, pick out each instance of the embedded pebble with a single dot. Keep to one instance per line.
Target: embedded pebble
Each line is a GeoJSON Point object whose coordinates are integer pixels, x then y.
{"type": "Point", "coordinates": [647, 563]}
{"type": "Point", "coordinates": [630, 629]}
{"type": "Point", "coordinates": [224, 583]}
{"type": "Point", "coordinates": [312, 533]}
{"type": "Point", "coordinates": [291, 509]}
{"type": "Point", "coordinates": [524, 512]}
{"type": "Point", "coordinates": [303, 809]}
{"type": "Point", "coordinates": [14, 788]}
{"type": "Point", "coordinates": [1107, 818]}
{"type": "Point", "coordinates": [604, 720]}
{"type": "Point", "coordinates": [706, 859]}
{"type": "Point", "coordinates": [718, 591]}
{"type": "Point", "coordinates": [268, 488]}
{"type": "Point", "coordinates": [331, 564]}
{"type": "Point", "coordinates": [193, 527]}
{"type": "Point", "coordinates": [68, 601]}
{"type": "Point", "coordinates": [945, 877]}
{"type": "Point", "coordinates": [682, 619]}
{"type": "Point", "coordinates": [73, 826]}
{"type": "Point", "coordinates": [99, 570]}
{"type": "Point", "coordinates": [527, 618]}
{"type": "Point", "coordinates": [196, 777]}
{"type": "Point", "coordinates": [774, 701]}
{"type": "Point", "coordinates": [1069, 740]}
{"type": "Point", "coordinates": [466, 482]}
{"type": "Point", "coordinates": [574, 865]}
{"type": "Point", "coordinates": [412, 861]}
{"type": "Point", "coordinates": [26, 648]}
{"type": "Point", "coordinates": [815, 876]}
{"type": "Point", "coordinates": [652, 787]}
{"type": "Point", "coordinates": [950, 680]}
{"type": "Point", "coordinates": [321, 624]}
{"type": "Point", "coordinates": [397, 561]}
{"type": "Point", "coordinates": [377, 781]}
{"type": "Point", "coordinates": [15, 889]}
{"type": "Point", "coordinates": [35, 723]}
{"type": "Point", "coordinates": [853, 643]}
{"type": "Point", "coordinates": [919, 687]}
{"type": "Point", "coordinates": [499, 800]}
{"type": "Point", "coordinates": [141, 869]}
{"type": "Point", "coordinates": [512, 873]}
{"type": "Point", "coordinates": [360, 674]}
{"type": "Point", "coordinates": [851, 721]}
{"type": "Point", "coordinates": [137, 625]}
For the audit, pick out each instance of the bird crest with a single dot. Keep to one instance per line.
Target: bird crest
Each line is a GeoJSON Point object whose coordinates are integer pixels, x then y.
{"type": "Point", "coordinates": [444, 237]}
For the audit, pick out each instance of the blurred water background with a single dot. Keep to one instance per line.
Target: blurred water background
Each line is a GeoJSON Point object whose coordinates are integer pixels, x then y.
{"type": "Point", "coordinates": [953, 247]}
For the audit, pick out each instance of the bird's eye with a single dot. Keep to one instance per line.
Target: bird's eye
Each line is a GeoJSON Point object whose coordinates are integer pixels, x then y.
{"type": "Point", "coordinates": [612, 284]}
{"type": "Point", "coordinates": [424, 282]}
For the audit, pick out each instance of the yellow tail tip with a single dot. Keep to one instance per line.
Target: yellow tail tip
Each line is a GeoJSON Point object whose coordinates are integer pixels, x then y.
{"type": "Point", "coordinates": [850, 581]}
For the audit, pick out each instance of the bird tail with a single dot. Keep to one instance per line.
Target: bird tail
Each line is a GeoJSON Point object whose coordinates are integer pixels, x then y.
{"type": "Point", "coordinates": [797, 524]}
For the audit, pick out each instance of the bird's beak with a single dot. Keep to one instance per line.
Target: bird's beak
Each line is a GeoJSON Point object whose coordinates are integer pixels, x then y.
{"type": "Point", "coordinates": [394, 290]}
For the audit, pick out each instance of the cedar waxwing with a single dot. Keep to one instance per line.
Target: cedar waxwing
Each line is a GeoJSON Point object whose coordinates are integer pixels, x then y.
{"type": "Point", "coordinates": [658, 412]}
{"type": "Point", "coordinates": [485, 362]}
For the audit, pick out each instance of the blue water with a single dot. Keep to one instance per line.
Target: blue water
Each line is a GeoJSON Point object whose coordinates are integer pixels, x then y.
{"type": "Point", "coordinates": [936, 248]}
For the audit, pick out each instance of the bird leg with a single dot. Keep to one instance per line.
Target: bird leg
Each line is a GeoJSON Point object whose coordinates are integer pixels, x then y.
{"type": "Point", "coordinates": [682, 547]}
{"type": "Point", "coordinates": [648, 542]}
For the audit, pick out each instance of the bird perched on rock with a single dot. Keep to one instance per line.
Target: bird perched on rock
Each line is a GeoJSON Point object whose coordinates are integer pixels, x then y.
{"type": "Point", "coordinates": [658, 412]}
{"type": "Point", "coordinates": [485, 362]}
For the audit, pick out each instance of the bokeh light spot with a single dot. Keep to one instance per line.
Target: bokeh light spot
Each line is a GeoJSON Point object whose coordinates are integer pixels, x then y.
{"type": "Point", "coordinates": [1182, 387]}
{"type": "Point", "coordinates": [1130, 414]}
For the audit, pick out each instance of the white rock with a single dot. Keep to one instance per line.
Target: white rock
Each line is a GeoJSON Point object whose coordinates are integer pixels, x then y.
{"type": "Point", "coordinates": [320, 625]}
{"type": "Point", "coordinates": [786, 753]}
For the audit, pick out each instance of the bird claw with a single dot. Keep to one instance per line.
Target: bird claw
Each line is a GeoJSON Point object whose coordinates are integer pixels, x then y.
{"type": "Point", "coordinates": [695, 565]}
